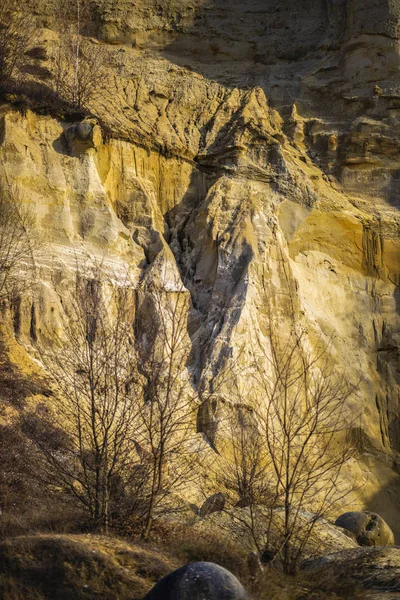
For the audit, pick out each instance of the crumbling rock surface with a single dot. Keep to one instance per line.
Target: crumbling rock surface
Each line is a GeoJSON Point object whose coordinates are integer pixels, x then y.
{"type": "Point", "coordinates": [374, 572]}
{"type": "Point", "coordinates": [253, 164]}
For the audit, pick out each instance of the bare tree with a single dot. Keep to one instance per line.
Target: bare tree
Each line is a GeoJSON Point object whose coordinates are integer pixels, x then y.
{"type": "Point", "coordinates": [17, 243]}
{"type": "Point", "coordinates": [122, 420]}
{"type": "Point", "coordinates": [82, 85]}
{"type": "Point", "coordinates": [92, 368]}
{"type": "Point", "coordinates": [78, 62]}
{"type": "Point", "coordinates": [243, 470]}
{"type": "Point", "coordinates": [168, 412]}
{"type": "Point", "coordinates": [18, 32]}
{"type": "Point", "coordinates": [304, 413]}
{"type": "Point", "coordinates": [284, 446]}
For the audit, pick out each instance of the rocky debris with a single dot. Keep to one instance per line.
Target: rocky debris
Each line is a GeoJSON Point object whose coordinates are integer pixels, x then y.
{"type": "Point", "coordinates": [368, 528]}
{"type": "Point", "coordinates": [375, 570]}
{"type": "Point", "coordinates": [235, 525]}
{"type": "Point", "coordinates": [215, 503]}
{"type": "Point", "coordinates": [198, 581]}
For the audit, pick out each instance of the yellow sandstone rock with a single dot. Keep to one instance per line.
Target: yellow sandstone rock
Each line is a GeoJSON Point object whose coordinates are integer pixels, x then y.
{"type": "Point", "coordinates": [250, 164]}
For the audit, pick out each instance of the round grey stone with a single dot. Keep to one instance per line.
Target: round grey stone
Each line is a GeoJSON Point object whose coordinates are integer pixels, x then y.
{"type": "Point", "coordinates": [198, 581]}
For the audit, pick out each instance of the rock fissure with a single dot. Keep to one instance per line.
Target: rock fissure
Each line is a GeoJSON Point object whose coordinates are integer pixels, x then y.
{"type": "Point", "coordinates": [247, 168]}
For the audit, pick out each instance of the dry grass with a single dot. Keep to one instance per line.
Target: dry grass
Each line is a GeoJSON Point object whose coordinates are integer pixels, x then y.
{"type": "Point", "coordinates": [272, 584]}
{"type": "Point", "coordinates": [180, 541]}
{"type": "Point", "coordinates": [89, 567]}
{"type": "Point", "coordinates": [78, 567]}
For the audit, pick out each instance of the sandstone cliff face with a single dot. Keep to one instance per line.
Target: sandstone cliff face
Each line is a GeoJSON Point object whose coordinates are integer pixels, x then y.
{"type": "Point", "coordinates": [256, 158]}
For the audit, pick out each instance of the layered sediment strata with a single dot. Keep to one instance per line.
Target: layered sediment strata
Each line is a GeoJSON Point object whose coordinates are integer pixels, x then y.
{"type": "Point", "coordinates": [255, 158]}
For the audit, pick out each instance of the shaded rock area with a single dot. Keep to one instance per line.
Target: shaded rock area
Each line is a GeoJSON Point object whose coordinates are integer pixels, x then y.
{"type": "Point", "coordinates": [235, 526]}
{"type": "Point", "coordinates": [369, 529]}
{"type": "Point", "coordinates": [214, 503]}
{"type": "Point", "coordinates": [375, 571]}
{"type": "Point", "coordinates": [198, 581]}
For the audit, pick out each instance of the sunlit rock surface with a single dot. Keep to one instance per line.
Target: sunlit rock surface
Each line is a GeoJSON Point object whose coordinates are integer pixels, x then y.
{"type": "Point", "coordinates": [254, 163]}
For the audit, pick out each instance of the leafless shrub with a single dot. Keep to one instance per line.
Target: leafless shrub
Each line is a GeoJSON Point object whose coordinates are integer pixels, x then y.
{"type": "Point", "coordinates": [18, 32]}
{"type": "Point", "coordinates": [78, 62]}
{"type": "Point", "coordinates": [285, 445]}
{"type": "Point", "coordinates": [242, 471]}
{"type": "Point", "coordinates": [304, 414]}
{"type": "Point", "coordinates": [166, 430]}
{"type": "Point", "coordinates": [78, 69]}
{"type": "Point", "coordinates": [17, 243]}
{"type": "Point", "coordinates": [118, 435]}
{"type": "Point", "coordinates": [86, 434]}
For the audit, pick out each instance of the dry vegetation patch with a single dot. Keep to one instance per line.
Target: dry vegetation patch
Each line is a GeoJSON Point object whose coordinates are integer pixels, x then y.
{"type": "Point", "coordinates": [88, 567]}
{"type": "Point", "coordinates": [80, 567]}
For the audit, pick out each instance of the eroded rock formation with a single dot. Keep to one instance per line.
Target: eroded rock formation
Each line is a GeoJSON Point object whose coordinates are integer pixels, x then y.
{"type": "Point", "coordinates": [254, 158]}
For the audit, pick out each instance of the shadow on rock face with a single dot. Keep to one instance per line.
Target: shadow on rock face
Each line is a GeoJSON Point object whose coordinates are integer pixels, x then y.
{"type": "Point", "coordinates": [198, 581]}
{"type": "Point", "coordinates": [251, 42]}
{"type": "Point", "coordinates": [373, 573]}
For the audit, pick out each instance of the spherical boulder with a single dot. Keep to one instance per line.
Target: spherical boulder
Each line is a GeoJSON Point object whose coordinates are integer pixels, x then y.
{"type": "Point", "coordinates": [83, 130]}
{"type": "Point", "coordinates": [83, 136]}
{"type": "Point", "coordinates": [198, 581]}
{"type": "Point", "coordinates": [368, 528]}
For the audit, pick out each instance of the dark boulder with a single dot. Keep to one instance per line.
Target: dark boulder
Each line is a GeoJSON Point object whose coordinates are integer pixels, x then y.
{"type": "Point", "coordinates": [198, 581]}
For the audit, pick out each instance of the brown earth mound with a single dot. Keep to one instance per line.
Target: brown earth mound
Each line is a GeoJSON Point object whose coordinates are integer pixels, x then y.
{"type": "Point", "coordinates": [79, 567]}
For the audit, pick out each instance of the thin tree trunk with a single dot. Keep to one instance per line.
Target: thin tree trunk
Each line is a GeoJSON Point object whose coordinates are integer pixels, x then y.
{"type": "Point", "coordinates": [97, 504]}
{"type": "Point", "coordinates": [154, 490]}
{"type": "Point", "coordinates": [76, 69]}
